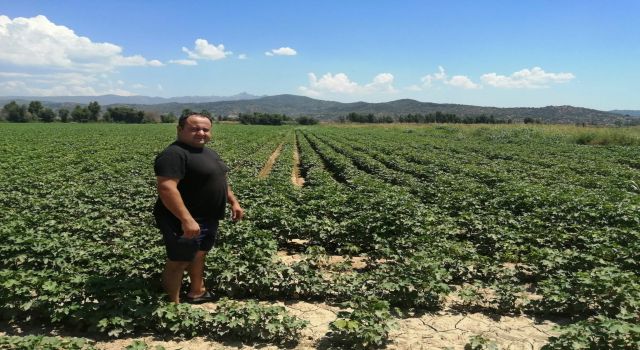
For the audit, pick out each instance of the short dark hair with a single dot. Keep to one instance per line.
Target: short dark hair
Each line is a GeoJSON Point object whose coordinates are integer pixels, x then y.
{"type": "Point", "coordinates": [183, 119]}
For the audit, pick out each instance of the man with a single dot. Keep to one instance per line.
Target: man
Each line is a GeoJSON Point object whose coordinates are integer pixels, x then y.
{"type": "Point", "coordinates": [192, 196]}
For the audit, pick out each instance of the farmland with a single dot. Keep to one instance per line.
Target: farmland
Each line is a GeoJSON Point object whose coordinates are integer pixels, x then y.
{"type": "Point", "coordinates": [391, 223]}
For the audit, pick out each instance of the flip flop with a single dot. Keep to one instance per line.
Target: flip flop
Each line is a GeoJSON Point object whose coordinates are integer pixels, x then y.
{"type": "Point", "coordinates": [204, 298]}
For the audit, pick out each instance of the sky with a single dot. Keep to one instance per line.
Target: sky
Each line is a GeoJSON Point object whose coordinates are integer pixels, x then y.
{"type": "Point", "coordinates": [488, 53]}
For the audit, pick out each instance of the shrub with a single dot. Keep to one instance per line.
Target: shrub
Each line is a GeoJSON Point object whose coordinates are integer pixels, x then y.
{"type": "Point", "coordinates": [599, 332]}
{"type": "Point", "coordinates": [368, 325]}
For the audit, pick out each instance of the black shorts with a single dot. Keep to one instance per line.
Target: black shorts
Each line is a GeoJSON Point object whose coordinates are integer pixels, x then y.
{"type": "Point", "coordinates": [185, 249]}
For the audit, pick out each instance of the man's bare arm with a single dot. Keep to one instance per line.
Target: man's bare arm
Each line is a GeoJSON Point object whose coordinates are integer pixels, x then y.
{"type": "Point", "coordinates": [236, 210]}
{"type": "Point", "coordinates": [172, 200]}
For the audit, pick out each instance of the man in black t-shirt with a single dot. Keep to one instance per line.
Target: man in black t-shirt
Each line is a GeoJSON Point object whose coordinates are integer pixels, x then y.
{"type": "Point", "coordinates": [192, 197]}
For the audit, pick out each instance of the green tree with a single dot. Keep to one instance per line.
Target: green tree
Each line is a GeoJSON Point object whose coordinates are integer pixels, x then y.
{"type": "Point", "coordinates": [186, 112]}
{"type": "Point", "coordinates": [168, 118]}
{"type": "Point", "coordinates": [529, 120]}
{"type": "Point", "coordinates": [14, 112]}
{"type": "Point", "coordinates": [385, 119]}
{"type": "Point", "coordinates": [304, 120]}
{"type": "Point", "coordinates": [263, 118]}
{"type": "Point", "coordinates": [35, 107]}
{"type": "Point", "coordinates": [124, 115]}
{"type": "Point", "coordinates": [47, 115]}
{"type": "Point", "coordinates": [80, 114]}
{"type": "Point", "coordinates": [151, 117]}
{"type": "Point", "coordinates": [94, 110]}
{"type": "Point", "coordinates": [63, 114]}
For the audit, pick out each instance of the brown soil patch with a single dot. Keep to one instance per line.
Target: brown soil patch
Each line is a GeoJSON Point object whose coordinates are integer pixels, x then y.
{"type": "Point", "coordinates": [446, 329]}
{"type": "Point", "coordinates": [295, 174]}
{"type": "Point", "coordinates": [450, 330]}
{"type": "Point", "coordinates": [266, 169]}
{"type": "Point", "coordinates": [357, 262]}
{"type": "Point", "coordinates": [441, 330]}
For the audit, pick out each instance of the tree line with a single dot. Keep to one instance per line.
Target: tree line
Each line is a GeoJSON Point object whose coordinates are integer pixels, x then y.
{"type": "Point", "coordinates": [437, 117]}
{"type": "Point", "coordinates": [35, 111]}
{"type": "Point", "coordinates": [274, 119]}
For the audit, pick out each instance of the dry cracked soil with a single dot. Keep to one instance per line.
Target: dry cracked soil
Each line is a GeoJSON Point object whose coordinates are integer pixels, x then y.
{"type": "Point", "coordinates": [446, 329]}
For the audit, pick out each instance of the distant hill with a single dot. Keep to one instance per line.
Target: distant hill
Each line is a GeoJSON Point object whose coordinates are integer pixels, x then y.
{"type": "Point", "coordinates": [127, 100]}
{"type": "Point", "coordinates": [629, 112]}
{"type": "Point", "coordinates": [293, 105]}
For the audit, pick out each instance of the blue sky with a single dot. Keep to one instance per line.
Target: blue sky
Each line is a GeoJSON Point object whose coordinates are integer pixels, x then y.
{"type": "Point", "coordinates": [488, 53]}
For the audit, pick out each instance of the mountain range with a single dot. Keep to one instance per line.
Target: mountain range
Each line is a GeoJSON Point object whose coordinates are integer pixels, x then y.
{"type": "Point", "coordinates": [627, 112]}
{"type": "Point", "coordinates": [129, 100]}
{"type": "Point", "coordinates": [293, 105]}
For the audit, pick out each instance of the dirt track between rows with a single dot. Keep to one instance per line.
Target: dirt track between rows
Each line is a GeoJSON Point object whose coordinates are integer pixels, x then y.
{"type": "Point", "coordinates": [266, 169]}
{"type": "Point", "coordinates": [296, 178]}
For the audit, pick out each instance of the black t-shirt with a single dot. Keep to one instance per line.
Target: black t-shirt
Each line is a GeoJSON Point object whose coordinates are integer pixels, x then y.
{"type": "Point", "coordinates": [203, 181]}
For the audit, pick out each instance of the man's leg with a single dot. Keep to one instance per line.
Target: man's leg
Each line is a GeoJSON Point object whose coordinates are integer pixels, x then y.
{"type": "Point", "coordinates": [172, 278]}
{"type": "Point", "coordinates": [196, 274]}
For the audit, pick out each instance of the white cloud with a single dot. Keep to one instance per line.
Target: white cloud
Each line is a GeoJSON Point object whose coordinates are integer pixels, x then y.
{"type": "Point", "coordinates": [283, 51]}
{"type": "Point", "coordinates": [15, 75]}
{"type": "Point", "coordinates": [535, 77]}
{"type": "Point", "coordinates": [381, 83]}
{"type": "Point", "coordinates": [332, 83]}
{"type": "Point", "coordinates": [205, 51]}
{"type": "Point", "coordinates": [138, 86]}
{"type": "Point", "coordinates": [185, 62]}
{"type": "Point", "coordinates": [136, 60]}
{"type": "Point", "coordinates": [242, 56]}
{"type": "Point", "coordinates": [428, 80]}
{"type": "Point", "coordinates": [341, 84]}
{"type": "Point", "coordinates": [48, 59]}
{"type": "Point", "coordinates": [459, 81]}
{"type": "Point", "coordinates": [60, 84]}
{"type": "Point", "coordinates": [309, 92]}
{"type": "Point", "coordinates": [462, 81]}
{"type": "Point", "coordinates": [38, 42]}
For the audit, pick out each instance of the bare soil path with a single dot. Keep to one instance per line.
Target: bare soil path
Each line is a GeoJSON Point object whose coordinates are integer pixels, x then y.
{"type": "Point", "coordinates": [266, 169]}
{"type": "Point", "coordinates": [296, 179]}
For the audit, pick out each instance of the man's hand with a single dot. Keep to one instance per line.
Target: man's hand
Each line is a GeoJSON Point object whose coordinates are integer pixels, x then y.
{"type": "Point", "coordinates": [236, 210]}
{"type": "Point", "coordinates": [172, 200]}
{"type": "Point", "coordinates": [237, 213]}
{"type": "Point", "coordinates": [190, 228]}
